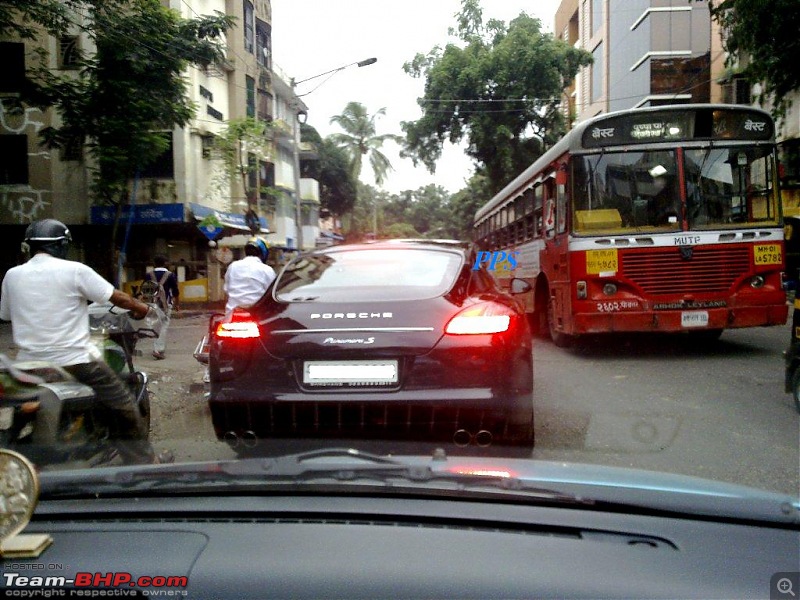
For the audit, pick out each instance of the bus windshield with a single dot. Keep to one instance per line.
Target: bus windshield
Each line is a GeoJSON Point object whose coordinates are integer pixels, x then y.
{"type": "Point", "coordinates": [730, 187]}
{"type": "Point", "coordinates": [622, 191]}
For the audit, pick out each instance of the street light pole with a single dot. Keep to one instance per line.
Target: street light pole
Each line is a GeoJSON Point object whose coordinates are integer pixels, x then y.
{"type": "Point", "coordinates": [296, 138]}
{"type": "Point", "coordinates": [297, 205]}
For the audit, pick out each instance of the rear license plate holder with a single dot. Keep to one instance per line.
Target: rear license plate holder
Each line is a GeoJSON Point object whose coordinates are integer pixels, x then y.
{"type": "Point", "coordinates": [351, 374]}
{"type": "Point", "coordinates": [694, 318]}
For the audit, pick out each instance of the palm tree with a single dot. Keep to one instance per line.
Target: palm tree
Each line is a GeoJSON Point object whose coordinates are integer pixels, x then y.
{"type": "Point", "coordinates": [360, 139]}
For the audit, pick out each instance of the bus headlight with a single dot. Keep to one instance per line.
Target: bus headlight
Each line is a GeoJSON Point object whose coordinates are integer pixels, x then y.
{"type": "Point", "coordinates": [609, 289]}
{"type": "Point", "coordinates": [580, 287]}
{"type": "Point", "coordinates": [757, 282]}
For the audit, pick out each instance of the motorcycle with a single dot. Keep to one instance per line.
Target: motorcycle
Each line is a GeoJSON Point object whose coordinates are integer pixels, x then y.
{"type": "Point", "coordinates": [51, 418]}
{"type": "Point", "coordinates": [792, 357]}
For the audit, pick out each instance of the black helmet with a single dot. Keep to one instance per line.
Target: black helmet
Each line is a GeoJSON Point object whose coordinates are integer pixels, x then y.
{"type": "Point", "coordinates": [257, 247]}
{"type": "Point", "coordinates": [47, 235]}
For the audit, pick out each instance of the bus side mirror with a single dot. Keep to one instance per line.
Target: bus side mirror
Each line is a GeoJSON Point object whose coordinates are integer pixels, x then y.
{"type": "Point", "coordinates": [520, 286]}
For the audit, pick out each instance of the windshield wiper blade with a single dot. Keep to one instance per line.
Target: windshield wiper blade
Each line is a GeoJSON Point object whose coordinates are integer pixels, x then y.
{"type": "Point", "coordinates": [317, 466]}
{"type": "Point", "coordinates": [289, 467]}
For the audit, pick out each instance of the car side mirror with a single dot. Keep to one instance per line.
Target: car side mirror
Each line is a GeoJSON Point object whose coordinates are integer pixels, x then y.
{"type": "Point", "coordinates": [520, 286]}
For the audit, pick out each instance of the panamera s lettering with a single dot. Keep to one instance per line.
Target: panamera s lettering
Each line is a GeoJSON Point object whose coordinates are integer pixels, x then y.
{"type": "Point", "coordinates": [352, 315]}
{"type": "Point", "coordinates": [331, 340]}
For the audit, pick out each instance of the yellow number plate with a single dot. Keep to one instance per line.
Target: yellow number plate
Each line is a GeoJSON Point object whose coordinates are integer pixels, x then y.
{"type": "Point", "coordinates": [601, 261]}
{"type": "Point", "coordinates": [767, 254]}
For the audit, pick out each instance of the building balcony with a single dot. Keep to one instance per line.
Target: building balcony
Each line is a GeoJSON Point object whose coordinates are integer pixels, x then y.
{"type": "Point", "coordinates": [309, 191]}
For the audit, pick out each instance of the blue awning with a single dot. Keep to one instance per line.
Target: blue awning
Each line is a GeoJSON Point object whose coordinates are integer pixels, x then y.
{"type": "Point", "coordinates": [226, 219]}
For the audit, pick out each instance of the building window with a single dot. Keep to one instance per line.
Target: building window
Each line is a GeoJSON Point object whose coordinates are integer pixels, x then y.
{"type": "Point", "coordinates": [72, 150]}
{"type": "Point", "coordinates": [790, 164]}
{"type": "Point", "coordinates": [162, 167]}
{"type": "Point", "coordinates": [597, 16]}
{"type": "Point", "coordinates": [252, 177]}
{"type": "Point", "coordinates": [14, 166]}
{"type": "Point", "coordinates": [264, 106]}
{"type": "Point", "coordinates": [251, 96]}
{"type": "Point", "coordinates": [68, 52]}
{"type": "Point", "coordinates": [249, 34]}
{"type": "Point", "coordinates": [736, 91]}
{"type": "Point", "coordinates": [12, 55]}
{"type": "Point", "coordinates": [681, 76]}
{"type": "Point", "coordinates": [264, 44]}
{"type": "Point", "coordinates": [597, 73]}
{"type": "Point", "coordinates": [310, 215]}
{"type": "Point", "coordinates": [266, 180]}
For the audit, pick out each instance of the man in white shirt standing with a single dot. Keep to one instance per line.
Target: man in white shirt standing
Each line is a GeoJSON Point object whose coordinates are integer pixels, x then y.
{"type": "Point", "coordinates": [166, 298]}
{"type": "Point", "coordinates": [247, 279]}
{"type": "Point", "coordinates": [46, 300]}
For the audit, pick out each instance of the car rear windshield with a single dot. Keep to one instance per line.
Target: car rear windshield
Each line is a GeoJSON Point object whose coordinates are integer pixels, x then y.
{"type": "Point", "coordinates": [372, 274]}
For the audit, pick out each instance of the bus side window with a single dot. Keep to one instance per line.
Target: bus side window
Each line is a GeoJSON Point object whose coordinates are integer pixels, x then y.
{"type": "Point", "coordinates": [530, 230]}
{"type": "Point", "coordinates": [550, 209]}
{"type": "Point", "coordinates": [537, 211]}
{"type": "Point", "coordinates": [561, 199]}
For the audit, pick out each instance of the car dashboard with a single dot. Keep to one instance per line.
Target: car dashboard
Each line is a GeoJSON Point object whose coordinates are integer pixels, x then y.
{"type": "Point", "coordinates": [371, 544]}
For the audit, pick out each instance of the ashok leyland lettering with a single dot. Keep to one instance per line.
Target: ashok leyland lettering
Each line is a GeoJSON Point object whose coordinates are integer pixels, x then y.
{"type": "Point", "coordinates": [657, 219]}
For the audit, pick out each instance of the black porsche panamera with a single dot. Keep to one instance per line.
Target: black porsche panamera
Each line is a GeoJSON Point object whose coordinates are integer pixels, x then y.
{"type": "Point", "coordinates": [395, 339]}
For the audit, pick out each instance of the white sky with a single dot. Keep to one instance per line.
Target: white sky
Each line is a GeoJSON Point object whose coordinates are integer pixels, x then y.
{"type": "Point", "coordinates": [314, 36]}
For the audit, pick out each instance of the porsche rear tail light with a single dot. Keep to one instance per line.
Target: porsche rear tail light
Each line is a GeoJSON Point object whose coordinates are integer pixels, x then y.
{"type": "Point", "coordinates": [241, 326]}
{"type": "Point", "coordinates": [483, 318]}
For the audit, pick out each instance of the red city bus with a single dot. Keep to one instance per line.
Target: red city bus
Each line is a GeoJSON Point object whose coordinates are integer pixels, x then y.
{"type": "Point", "coordinates": [651, 219]}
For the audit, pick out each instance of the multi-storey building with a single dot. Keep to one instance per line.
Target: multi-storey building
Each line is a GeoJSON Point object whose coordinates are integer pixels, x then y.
{"type": "Point", "coordinates": [36, 182]}
{"type": "Point", "coordinates": [291, 154]}
{"type": "Point", "coordinates": [646, 53]}
{"type": "Point", "coordinates": [187, 183]}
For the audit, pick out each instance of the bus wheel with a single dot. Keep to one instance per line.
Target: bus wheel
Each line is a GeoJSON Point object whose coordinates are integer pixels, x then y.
{"type": "Point", "coordinates": [796, 388]}
{"type": "Point", "coordinates": [559, 338]}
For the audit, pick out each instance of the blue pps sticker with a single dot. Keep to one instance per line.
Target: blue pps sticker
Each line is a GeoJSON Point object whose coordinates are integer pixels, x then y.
{"type": "Point", "coordinates": [497, 260]}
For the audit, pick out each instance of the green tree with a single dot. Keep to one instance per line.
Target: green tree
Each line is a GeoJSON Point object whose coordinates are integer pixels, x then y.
{"type": "Point", "coordinates": [762, 42]}
{"type": "Point", "coordinates": [337, 186]}
{"type": "Point", "coordinates": [25, 18]}
{"type": "Point", "coordinates": [466, 202]}
{"type": "Point", "coordinates": [368, 213]}
{"type": "Point", "coordinates": [400, 230]}
{"type": "Point", "coordinates": [360, 139]}
{"type": "Point", "coordinates": [132, 89]}
{"type": "Point", "coordinates": [124, 96]}
{"type": "Point", "coordinates": [242, 145]}
{"type": "Point", "coordinates": [500, 89]}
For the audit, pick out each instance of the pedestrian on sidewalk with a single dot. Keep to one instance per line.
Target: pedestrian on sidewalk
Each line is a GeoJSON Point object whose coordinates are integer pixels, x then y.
{"type": "Point", "coordinates": [166, 297]}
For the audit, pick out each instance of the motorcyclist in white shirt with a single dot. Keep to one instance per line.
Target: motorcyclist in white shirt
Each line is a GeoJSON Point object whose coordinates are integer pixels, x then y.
{"type": "Point", "coordinates": [46, 299]}
{"type": "Point", "coordinates": [247, 279]}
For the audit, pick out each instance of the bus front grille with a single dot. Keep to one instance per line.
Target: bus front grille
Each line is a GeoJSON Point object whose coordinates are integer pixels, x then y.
{"type": "Point", "coordinates": [709, 270]}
